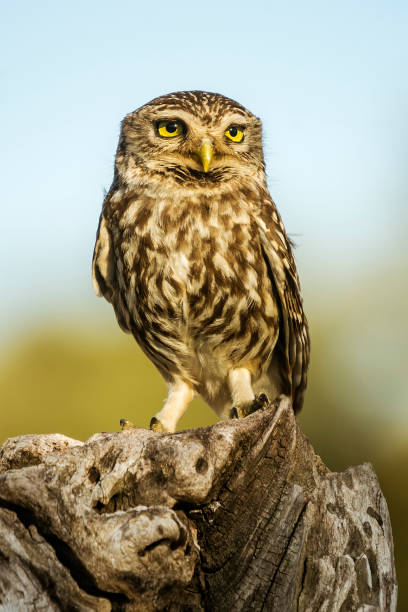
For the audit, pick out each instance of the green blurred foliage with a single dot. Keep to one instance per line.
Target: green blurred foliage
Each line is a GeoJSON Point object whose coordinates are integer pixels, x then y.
{"type": "Point", "coordinates": [81, 383]}
{"type": "Point", "coordinates": [79, 380]}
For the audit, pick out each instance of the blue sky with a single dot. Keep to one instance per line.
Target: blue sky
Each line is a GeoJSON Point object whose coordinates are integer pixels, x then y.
{"type": "Point", "coordinates": [329, 81]}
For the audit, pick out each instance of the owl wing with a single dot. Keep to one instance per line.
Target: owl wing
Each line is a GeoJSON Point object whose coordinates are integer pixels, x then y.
{"type": "Point", "coordinates": [103, 264]}
{"type": "Point", "coordinates": [293, 345]}
{"type": "Point", "coordinates": [104, 279]}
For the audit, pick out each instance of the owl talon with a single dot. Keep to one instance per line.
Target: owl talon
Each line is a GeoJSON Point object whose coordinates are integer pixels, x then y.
{"type": "Point", "coordinates": [260, 402]}
{"type": "Point", "coordinates": [156, 425]}
{"type": "Point", "coordinates": [234, 413]}
{"type": "Point", "coordinates": [125, 424]}
{"type": "Point", "coordinates": [241, 412]}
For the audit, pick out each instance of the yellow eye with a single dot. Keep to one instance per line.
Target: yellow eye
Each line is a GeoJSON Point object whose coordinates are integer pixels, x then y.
{"type": "Point", "coordinates": [169, 129]}
{"type": "Point", "coordinates": [234, 133]}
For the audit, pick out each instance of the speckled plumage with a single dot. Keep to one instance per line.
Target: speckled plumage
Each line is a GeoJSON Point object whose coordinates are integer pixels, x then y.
{"type": "Point", "coordinates": [197, 265]}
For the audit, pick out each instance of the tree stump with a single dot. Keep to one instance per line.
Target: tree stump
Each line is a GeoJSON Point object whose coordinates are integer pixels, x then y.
{"type": "Point", "coordinates": [242, 515]}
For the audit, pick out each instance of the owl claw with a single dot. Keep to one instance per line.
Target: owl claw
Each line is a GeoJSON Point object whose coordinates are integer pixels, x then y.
{"type": "Point", "coordinates": [260, 402]}
{"type": "Point", "coordinates": [156, 425]}
{"type": "Point", "coordinates": [125, 424]}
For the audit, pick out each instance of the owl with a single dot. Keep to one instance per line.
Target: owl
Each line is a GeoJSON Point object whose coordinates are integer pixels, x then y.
{"type": "Point", "coordinates": [193, 256]}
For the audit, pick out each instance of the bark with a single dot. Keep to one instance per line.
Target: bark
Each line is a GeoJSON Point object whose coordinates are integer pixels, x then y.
{"type": "Point", "coordinates": [239, 516]}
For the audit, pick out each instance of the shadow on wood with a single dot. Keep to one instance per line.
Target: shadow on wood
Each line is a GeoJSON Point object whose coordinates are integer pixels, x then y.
{"type": "Point", "coordinates": [239, 516]}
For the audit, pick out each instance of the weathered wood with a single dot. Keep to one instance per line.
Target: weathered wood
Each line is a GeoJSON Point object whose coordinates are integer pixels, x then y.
{"type": "Point", "coordinates": [239, 516]}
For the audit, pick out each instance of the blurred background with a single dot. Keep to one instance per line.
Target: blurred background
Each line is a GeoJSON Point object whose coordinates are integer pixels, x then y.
{"type": "Point", "coordinates": [329, 81]}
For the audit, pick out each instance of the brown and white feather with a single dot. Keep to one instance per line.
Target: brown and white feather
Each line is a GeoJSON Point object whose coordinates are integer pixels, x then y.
{"type": "Point", "coordinates": [198, 266]}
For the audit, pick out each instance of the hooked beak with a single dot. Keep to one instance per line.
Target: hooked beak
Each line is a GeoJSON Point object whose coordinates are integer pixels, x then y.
{"type": "Point", "coordinates": [206, 154]}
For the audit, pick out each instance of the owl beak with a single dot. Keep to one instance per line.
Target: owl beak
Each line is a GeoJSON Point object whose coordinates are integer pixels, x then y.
{"type": "Point", "coordinates": [206, 154]}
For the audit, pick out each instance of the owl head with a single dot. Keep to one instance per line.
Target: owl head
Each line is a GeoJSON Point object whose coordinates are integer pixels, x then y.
{"type": "Point", "coordinates": [191, 137]}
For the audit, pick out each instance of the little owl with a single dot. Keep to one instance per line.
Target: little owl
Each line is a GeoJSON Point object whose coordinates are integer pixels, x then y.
{"type": "Point", "coordinates": [193, 256]}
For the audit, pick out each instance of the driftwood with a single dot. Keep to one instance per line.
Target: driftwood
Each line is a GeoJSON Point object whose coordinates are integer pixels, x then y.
{"type": "Point", "coordinates": [239, 516]}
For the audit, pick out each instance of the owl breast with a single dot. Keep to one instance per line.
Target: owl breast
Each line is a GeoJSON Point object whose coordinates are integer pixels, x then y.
{"type": "Point", "coordinates": [195, 288]}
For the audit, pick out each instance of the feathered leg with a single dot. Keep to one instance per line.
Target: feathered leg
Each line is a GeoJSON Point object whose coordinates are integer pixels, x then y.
{"type": "Point", "coordinates": [179, 397]}
{"type": "Point", "coordinates": [243, 397]}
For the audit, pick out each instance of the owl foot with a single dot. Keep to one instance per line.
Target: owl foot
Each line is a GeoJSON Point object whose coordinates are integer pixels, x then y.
{"type": "Point", "coordinates": [125, 424]}
{"type": "Point", "coordinates": [156, 425]}
{"type": "Point", "coordinates": [260, 402]}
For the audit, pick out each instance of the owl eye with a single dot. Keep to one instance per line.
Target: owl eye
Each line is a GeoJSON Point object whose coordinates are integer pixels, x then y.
{"type": "Point", "coordinates": [235, 133]}
{"type": "Point", "coordinates": [169, 129]}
